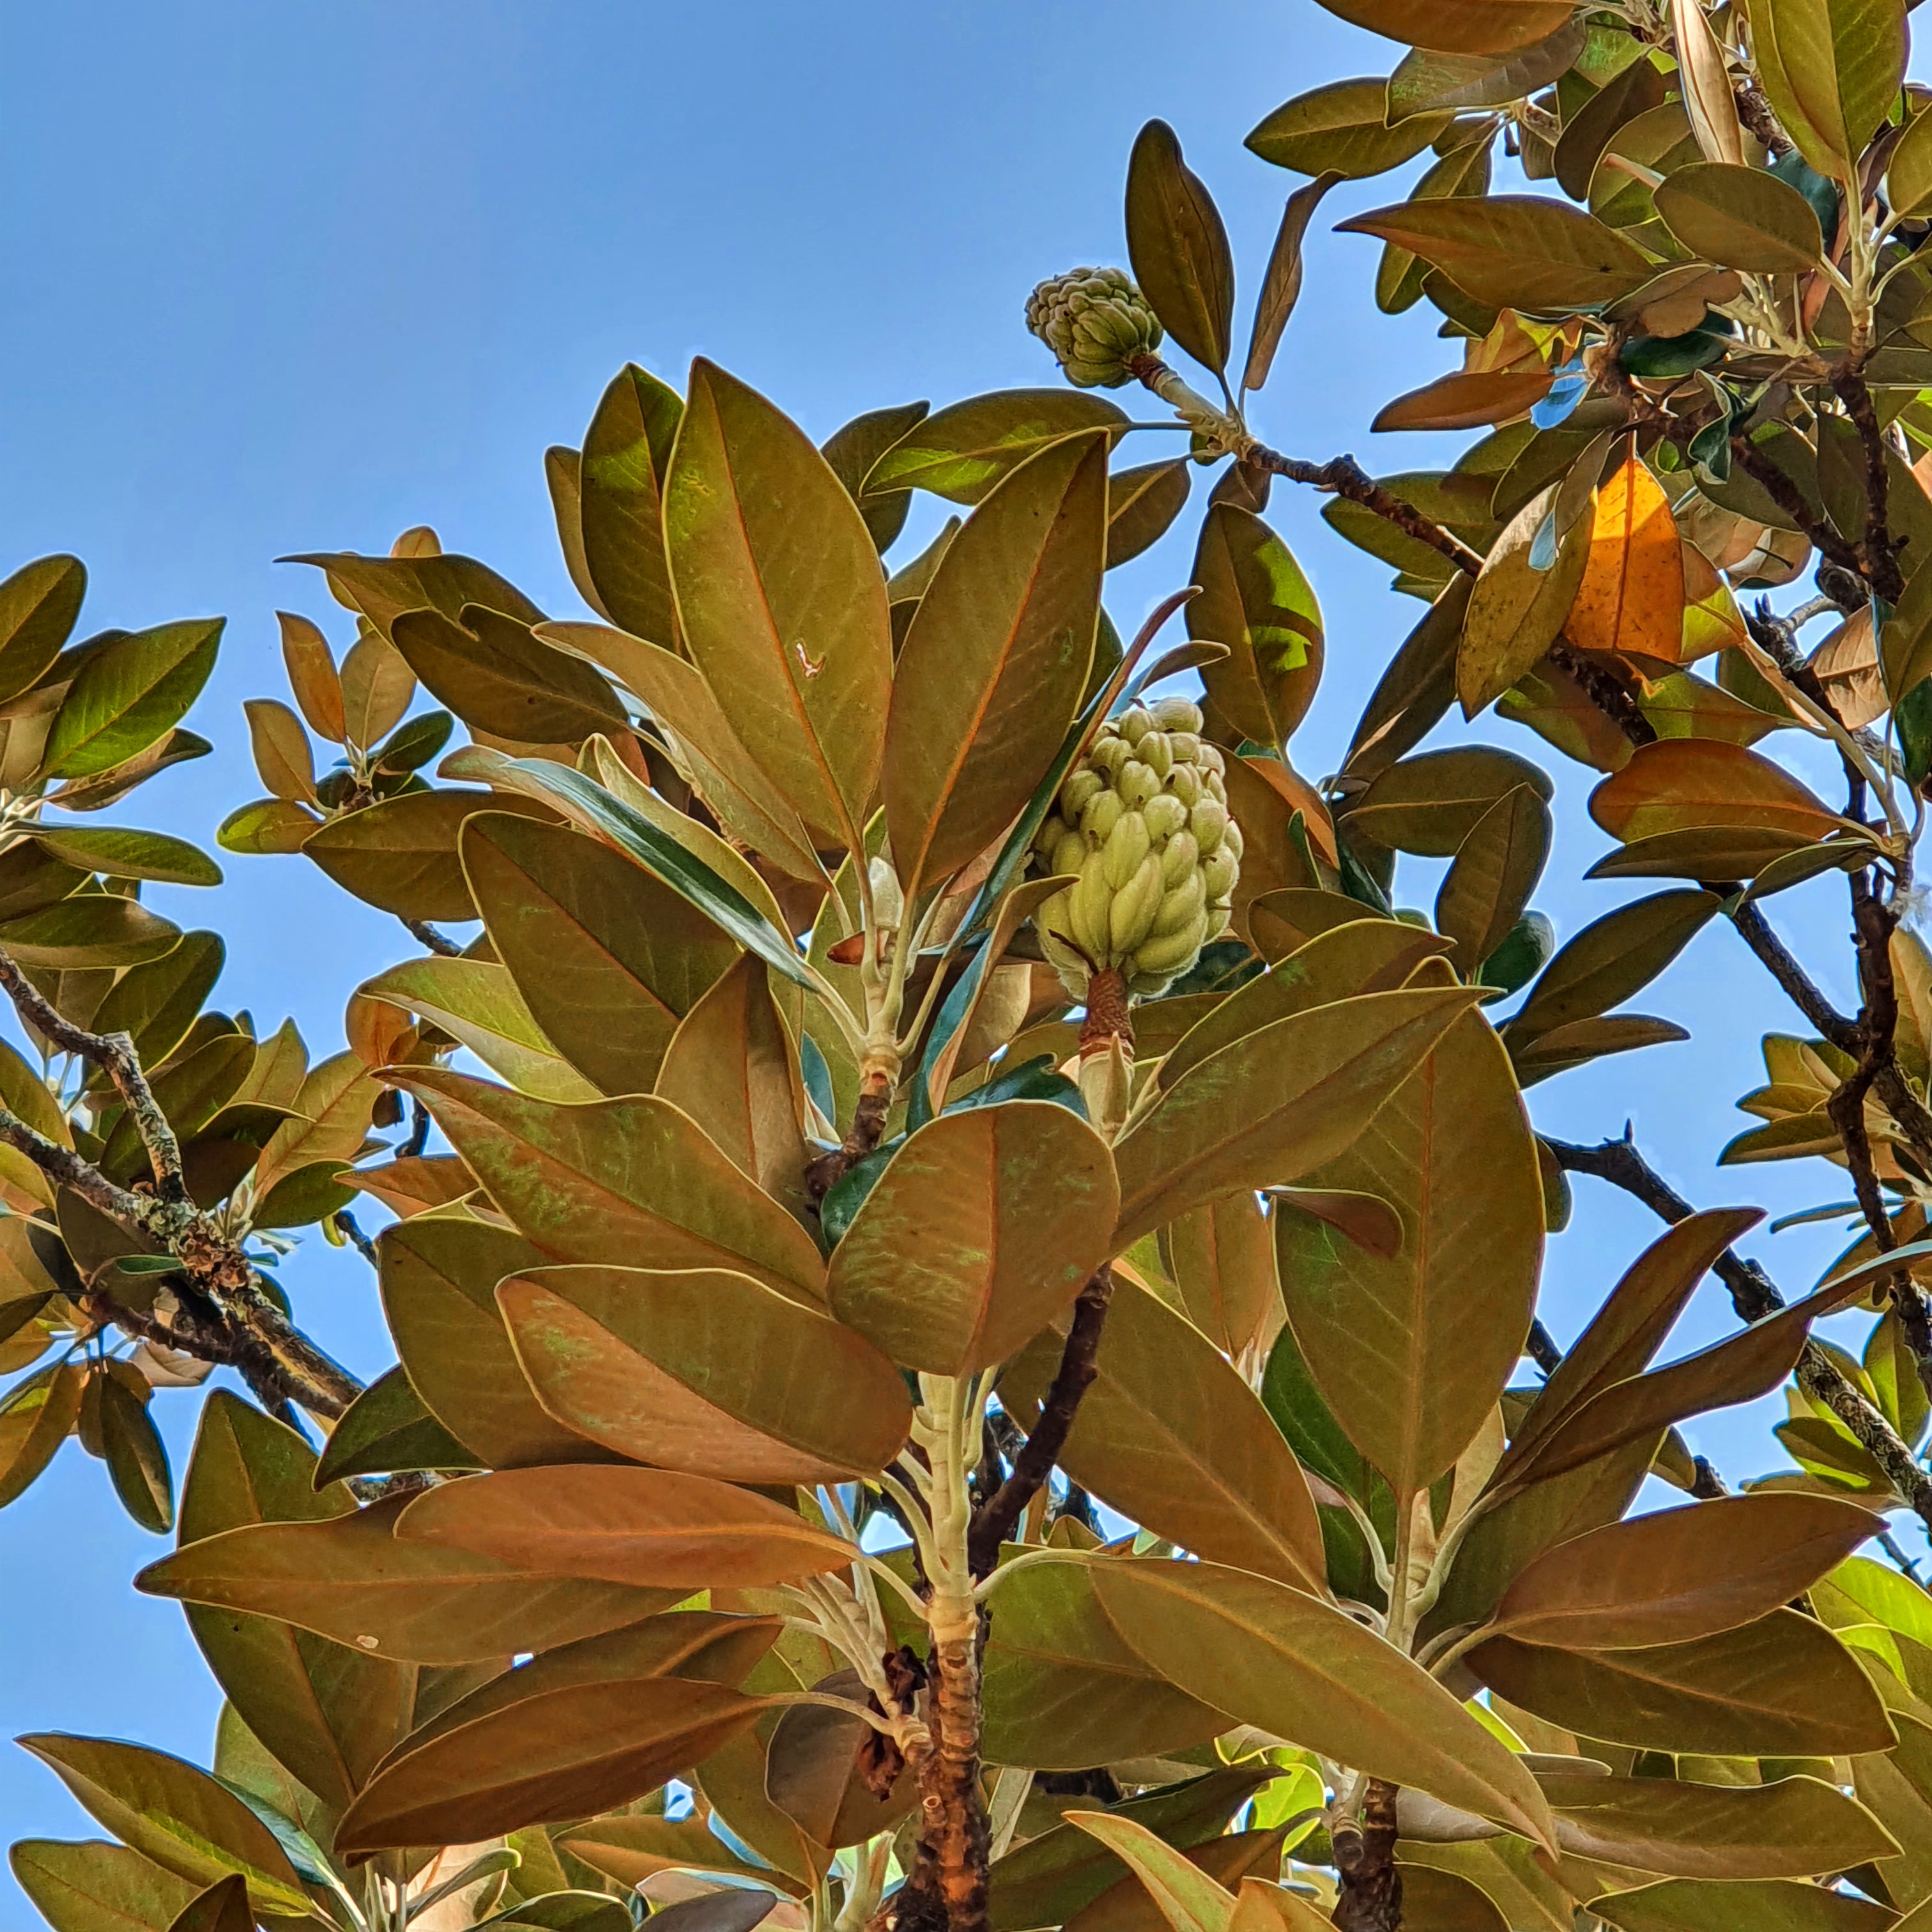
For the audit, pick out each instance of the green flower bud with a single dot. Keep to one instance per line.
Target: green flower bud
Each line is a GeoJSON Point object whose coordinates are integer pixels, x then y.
{"type": "Point", "coordinates": [1142, 823]}
{"type": "Point", "coordinates": [1165, 815]}
{"type": "Point", "coordinates": [1178, 714]}
{"type": "Point", "coordinates": [1207, 821]}
{"type": "Point", "coordinates": [1131, 911]}
{"type": "Point", "coordinates": [1231, 840]}
{"type": "Point", "coordinates": [1102, 815]}
{"type": "Point", "coordinates": [1096, 321]}
{"type": "Point", "coordinates": [1127, 844]}
{"type": "Point", "coordinates": [1179, 857]}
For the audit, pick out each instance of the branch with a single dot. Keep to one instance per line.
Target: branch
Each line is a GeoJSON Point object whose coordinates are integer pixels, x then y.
{"type": "Point", "coordinates": [1880, 560]}
{"type": "Point", "coordinates": [1370, 1897]}
{"type": "Point", "coordinates": [1754, 111]}
{"type": "Point", "coordinates": [1343, 476]}
{"type": "Point", "coordinates": [114, 1054]}
{"type": "Point", "coordinates": [425, 934]}
{"type": "Point", "coordinates": [1754, 1295]}
{"type": "Point", "coordinates": [996, 1518]}
{"type": "Point", "coordinates": [1789, 498]}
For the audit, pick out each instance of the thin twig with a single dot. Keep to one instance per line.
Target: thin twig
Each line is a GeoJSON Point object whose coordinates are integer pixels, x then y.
{"type": "Point", "coordinates": [996, 1518]}
{"type": "Point", "coordinates": [1754, 1295]}
{"type": "Point", "coordinates": [426, 935]}
{"type": "Point", "coordinates": [114, 1054]}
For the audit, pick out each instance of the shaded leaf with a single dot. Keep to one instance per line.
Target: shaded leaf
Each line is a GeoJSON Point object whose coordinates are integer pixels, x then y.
{"type": "Point", "coordinates": [961, 452]}
{"type": "Point", "coordinates": [1179, 247]}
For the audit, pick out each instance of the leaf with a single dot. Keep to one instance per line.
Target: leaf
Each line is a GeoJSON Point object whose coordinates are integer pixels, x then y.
{"type": "Point", "coordinates": [268, 825]}
{"type": "Point", "coordinates": [730, 1065]}
{"type": "Point", "coordinates": [1781, 1686]}
{"type": "Point", "coordinates": [1062, 1691]}
{"type": "Point", "coordinates": [332, 1110]}
{"type": "Point", "coordinates": [1415, 690]}
{"type": "Point", "coordinates": [1688, 784]}
{"type": "Point", "coordinates": [1272, 1656]}
{"type": "Point", "coordinates": [479, 1005]}
{"type": "Point", "coordinates": [1792, 1828]}
{"type": "Point", "coordinates": [438, 1280]}
{"type": "Point", "coordinates": [1341, 128]}
{"type": "Point", "coordinates": [652, 1529]}
{"type": "Point", "coordinates": [1359, 954]}
{"type": "Point", "coordinates": [1740, 217]}
{"type": "Point", "coordinates": [96, 1887]}
{"type": "Point", "coordinates": [1046, 1881]}
{"type": "Point", "coordinates": [282, 754]}
{"type": "Point", "coordinates": [498, 677]}
{"type": "Point", "coordinates": [1428, 804]}
{"type": "Point", "coordinates": [631, 1848]}
{"type": "Point", "coordinates": [704, 747]}
{"type": "Point", "coordinates": [1830, 72]}
{"type": "Point", "coordinates": [1142, 503]}
{"type": "Point", "coordinates": [1220, 1258]}
{"type": "Point", "coordinates": [1706, 84]}
{"type": "Point", "coordinates": [705, 1371]}
{"type": "Point", "coordinates": [89, 932]}
{"type": "Point", "coordinates": [177, 1815]}
{"type": "Point", "coordinates": [327, 1712]}
{"type": "Point", "coordinates": [576, 1732]}
{"type": "Point", "coordinates": [1128, 1907]}
{"type": "Point", "coordinates": [1256, 600]}
{"type": "Point", "coordinates": [137, 1461]}
{"type": "Point", "coordinates": [382, 588]}
{"type": "Point", "coordinates": [1513, 251]}
{"type": "Point", "coordinates": [607, 959]}
{"type": "Point", "coordinates": [1411, 1352]}
{"type": "Point", "coordinates": [1281, 282]}
{"type": "Point", "coordinates": [593, 808]}
{"type": "Point", "coordinates": [37, 1417]}
{"type": "Point", "coordinates": [222, 1907]}
{"type": "Point", "coordinates": [1495, 871]}
{"type": "Point", "coordinates": [1517, 611]}
{"type": "Point", "coordinates": [128, 695]}
{"type": "Point", "coordinates": [1179, 248]}
{"type": "Point", "coordinates": [387, 1428]}
{"type": "Point", "coordinates": [1767, 1905]}
{"type": "Point", "coordinates": [1680, 1574]}
{"type": "Point", "coordinates": [39, 603]}
{"type": "Point", "coordinates": [1457, 26]}
{"type": "Point", "coordinates": [1908, 175]}
{"type": "Point", "coordinates": [377, 688]}
{"type": "Point", "coordinates": [854, 447]}
{"type": "Point", "coordinates": [981, 1231]}
{"type": "Point", "coordinates": [992, 669]}
{"type": "Point", "coordinates": [621, 478]}
{"type": "Point", "coordinates": [1466, 400]}
{"type": "Point", "coordinates": [1425, 81]}
{"type": "Point", "coordinates": [399, 855]}
{"type": "Point", "coordinates": [349, 1579]}
{"type": "Point", "coordinates": [1611, 960]}
{"type": "Point", "coordinates": [618, 1182]}
{"type": "Point", "coordinates": [1170, 1435]}
{"type": "Point", "coordinates": [313, 676]}
{"type": "Point", "coordinates": [1631, 598]}
{"type": "Point", "coordinates": [781, 600]}
{"type": "Point", "coordinates": [961, 452]}
{"type": "Point", "coordinates": [1277, 1104]}
{"type": "Point", "coordinates": [1188, 1899]}
{"type": "Point", "coordinates": [1738, 1368]}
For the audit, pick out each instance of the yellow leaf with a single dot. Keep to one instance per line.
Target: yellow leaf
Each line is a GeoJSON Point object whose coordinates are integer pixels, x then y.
{"type": "Point", "coordinates": [1632, 596]}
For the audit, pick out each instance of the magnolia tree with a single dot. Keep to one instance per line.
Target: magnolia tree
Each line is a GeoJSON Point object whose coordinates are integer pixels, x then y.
{"type": "Point", "coordinates": [964, 1266]}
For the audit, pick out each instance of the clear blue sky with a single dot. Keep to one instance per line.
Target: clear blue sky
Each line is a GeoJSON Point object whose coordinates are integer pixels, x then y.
{"type": "Point", "coordinates": [296, 277]}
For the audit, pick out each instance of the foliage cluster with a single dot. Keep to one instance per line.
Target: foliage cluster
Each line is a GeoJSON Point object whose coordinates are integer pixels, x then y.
{"type": "Point", "coordinates": [961, 1363]}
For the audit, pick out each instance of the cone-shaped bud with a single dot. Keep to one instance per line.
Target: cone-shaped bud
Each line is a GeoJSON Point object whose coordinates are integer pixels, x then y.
{"type": "Point", "coordinates": [1095, 321]}
{"type": "Point", "coordinates": [1150, 845]}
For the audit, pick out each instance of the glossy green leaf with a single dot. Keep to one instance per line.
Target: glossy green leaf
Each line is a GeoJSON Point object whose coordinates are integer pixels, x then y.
{"type": "Point", "coordinates": [1766, 1905]}
{"type": "Point", "coordinates": [1291, 1664]}
{"type": "Point", "coordinates": [1256, 600]}
{"type": "Point", "coordinates": [993, 668]}
{"type": "Point", "coordinates": [621, 478]}
{"type": "Point", "coordinates": [39, 603]}
{"type": "Point", "coordinates": [498, 677]}
{"type": "Point", "coordinates": [1740, 217]}
{"type": "Point", "coordinates": [1277, 1104]}
{"type": "Point", "coordinates": [1342, 126]}
{"type": "Point", "coordinates": [387, 1428]}
{"type": "Point", "coordinates": [961, 452]}
{"type": "Point", "coordinates": [128, 695]}
{"type": "Point", "coordinates": [400, 854]}
{"type": "Point", "coordinates": [705, 1371]}
{"type": "Point", "coordinates": [782, 599]}
{"type": "Point", "coordinates": [96, 1887]}
{"type": "Point", "coordinates": [350, 1579]}
{"type": "Point", "coordinates": [618, 1183]}
{"type": "Point", "coordinates": [1179, 247]}
{"type": "Point", "coordinates": [1170, 1435]}
{"type": "Point", "coordinates": [981, 1231]}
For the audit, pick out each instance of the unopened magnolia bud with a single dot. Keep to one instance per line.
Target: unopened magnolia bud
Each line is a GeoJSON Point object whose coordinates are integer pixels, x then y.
{"type": "Point", "coordinates": [1095, 321]}
{"type": "Point", "coordinates": [1145, 828]}
{"type": "Point", "coordinates": [888, 901]}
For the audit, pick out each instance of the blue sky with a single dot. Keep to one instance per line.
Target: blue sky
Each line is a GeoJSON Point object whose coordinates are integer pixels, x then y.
{"type": "Point", "coordinates": [295, 278]}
